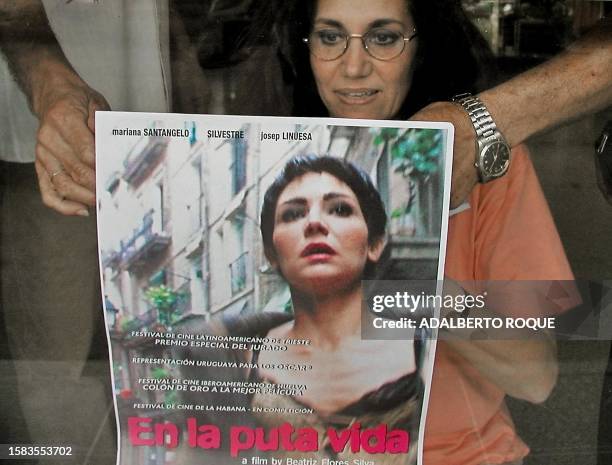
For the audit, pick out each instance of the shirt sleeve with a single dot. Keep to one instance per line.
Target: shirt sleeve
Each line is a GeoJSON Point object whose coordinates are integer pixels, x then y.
{"type": "Point", "coordinates": [516, 237]}
{"type": "Point", "coordinates": [509, 244]}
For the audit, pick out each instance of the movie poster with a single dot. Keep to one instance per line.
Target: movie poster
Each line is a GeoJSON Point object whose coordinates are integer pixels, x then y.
{"type": "Point", "coordinates": [233, 253]}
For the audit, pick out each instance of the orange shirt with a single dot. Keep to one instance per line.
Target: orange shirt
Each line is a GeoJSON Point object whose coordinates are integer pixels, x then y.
{"type": "Point", "coordinates": [506, 234]}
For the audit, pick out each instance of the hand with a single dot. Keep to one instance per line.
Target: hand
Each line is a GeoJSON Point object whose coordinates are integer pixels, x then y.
{"type": "Point", "coordinates": [464, 175]}
{"type": "Point", "coordinates": [65, 157]}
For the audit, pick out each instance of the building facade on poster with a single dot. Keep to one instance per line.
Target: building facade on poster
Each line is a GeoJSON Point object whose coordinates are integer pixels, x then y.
{"type": "Point", "coordinates": [184, 206]}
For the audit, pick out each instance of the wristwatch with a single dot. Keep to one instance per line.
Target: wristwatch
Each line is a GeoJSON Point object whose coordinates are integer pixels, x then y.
{"type": "Point", "coordinates": [492, 150]}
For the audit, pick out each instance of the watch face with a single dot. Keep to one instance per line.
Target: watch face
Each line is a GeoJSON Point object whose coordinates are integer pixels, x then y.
{"type": "Point", "coordinates": [495, 159]}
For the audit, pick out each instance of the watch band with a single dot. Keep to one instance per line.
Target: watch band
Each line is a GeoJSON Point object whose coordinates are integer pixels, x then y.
{"type": "Point", "coordinates": [487, 137]}
{"type": "Point", "coordinates": [481, 118]}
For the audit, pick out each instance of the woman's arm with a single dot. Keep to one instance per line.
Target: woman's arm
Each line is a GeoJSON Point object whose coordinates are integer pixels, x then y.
{"type": "Point", "coordinates": [527, 369]}
{"type": "Point", "coordinates": [507, 244]}
{"type": "Point", "coordinates": [524, 368]}
{"type": "Point", "coordinates": [576, 82]}
{"type": "Point", "coordinates": [521, 362]}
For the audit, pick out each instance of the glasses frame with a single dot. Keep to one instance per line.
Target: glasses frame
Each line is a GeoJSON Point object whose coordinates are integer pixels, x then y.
{"type": "Point", "coordinates": [347, 40]}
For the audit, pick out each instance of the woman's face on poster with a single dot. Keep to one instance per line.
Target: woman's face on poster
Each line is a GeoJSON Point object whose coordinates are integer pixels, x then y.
{"type": "Point", "coordinates": [356, 84]}
{"type": "Point", "coordinates": [320, 236]}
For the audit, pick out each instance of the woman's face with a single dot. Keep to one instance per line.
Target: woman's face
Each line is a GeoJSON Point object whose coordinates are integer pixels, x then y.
{"type": "Point", "coordinates": [356, 85]}
{"type": "Point", "coordinates": [320, 235]}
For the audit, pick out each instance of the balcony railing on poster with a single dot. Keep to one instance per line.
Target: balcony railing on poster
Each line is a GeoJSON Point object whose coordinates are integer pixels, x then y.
{"type": "Point", "coordinates": [146, 239]}
{"type": "Point", "coordinates": [144, 154]}
{"type": "Point", "coordinates": [146, 320]}
{"type": "Point", "coordinates": [239, 273]}
{"type": "Point", "coordinates": [111, 259]}
{"type": "Point", "coordinates": [183, 306]}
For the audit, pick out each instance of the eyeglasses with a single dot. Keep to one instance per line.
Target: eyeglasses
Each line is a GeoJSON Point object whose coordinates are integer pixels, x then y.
{"type": "Point", "coordinates": [380, 43]}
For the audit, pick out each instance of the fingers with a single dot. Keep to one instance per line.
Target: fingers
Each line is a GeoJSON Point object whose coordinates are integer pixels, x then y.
{"type": "Point", "coordinates": [64, 134]}
{"type": "Point", "coordinates": [53, 199]}
{"type": "Point", "coordinates": [464, 175]}
{"type": "Point", "coordinates": [61, 181]}
{"type": "Point", "coordinates": [67, 132]}
{"type": "Point", "coordinates": [65, 154]}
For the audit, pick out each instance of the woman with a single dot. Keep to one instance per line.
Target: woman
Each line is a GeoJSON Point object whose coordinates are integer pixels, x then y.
{"type": "Point", "coordinates": [323, 228]}
{"type": "Point", "coordinates": [504, 232]}
{"type": "Point", "coordinates": [443, 54]}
